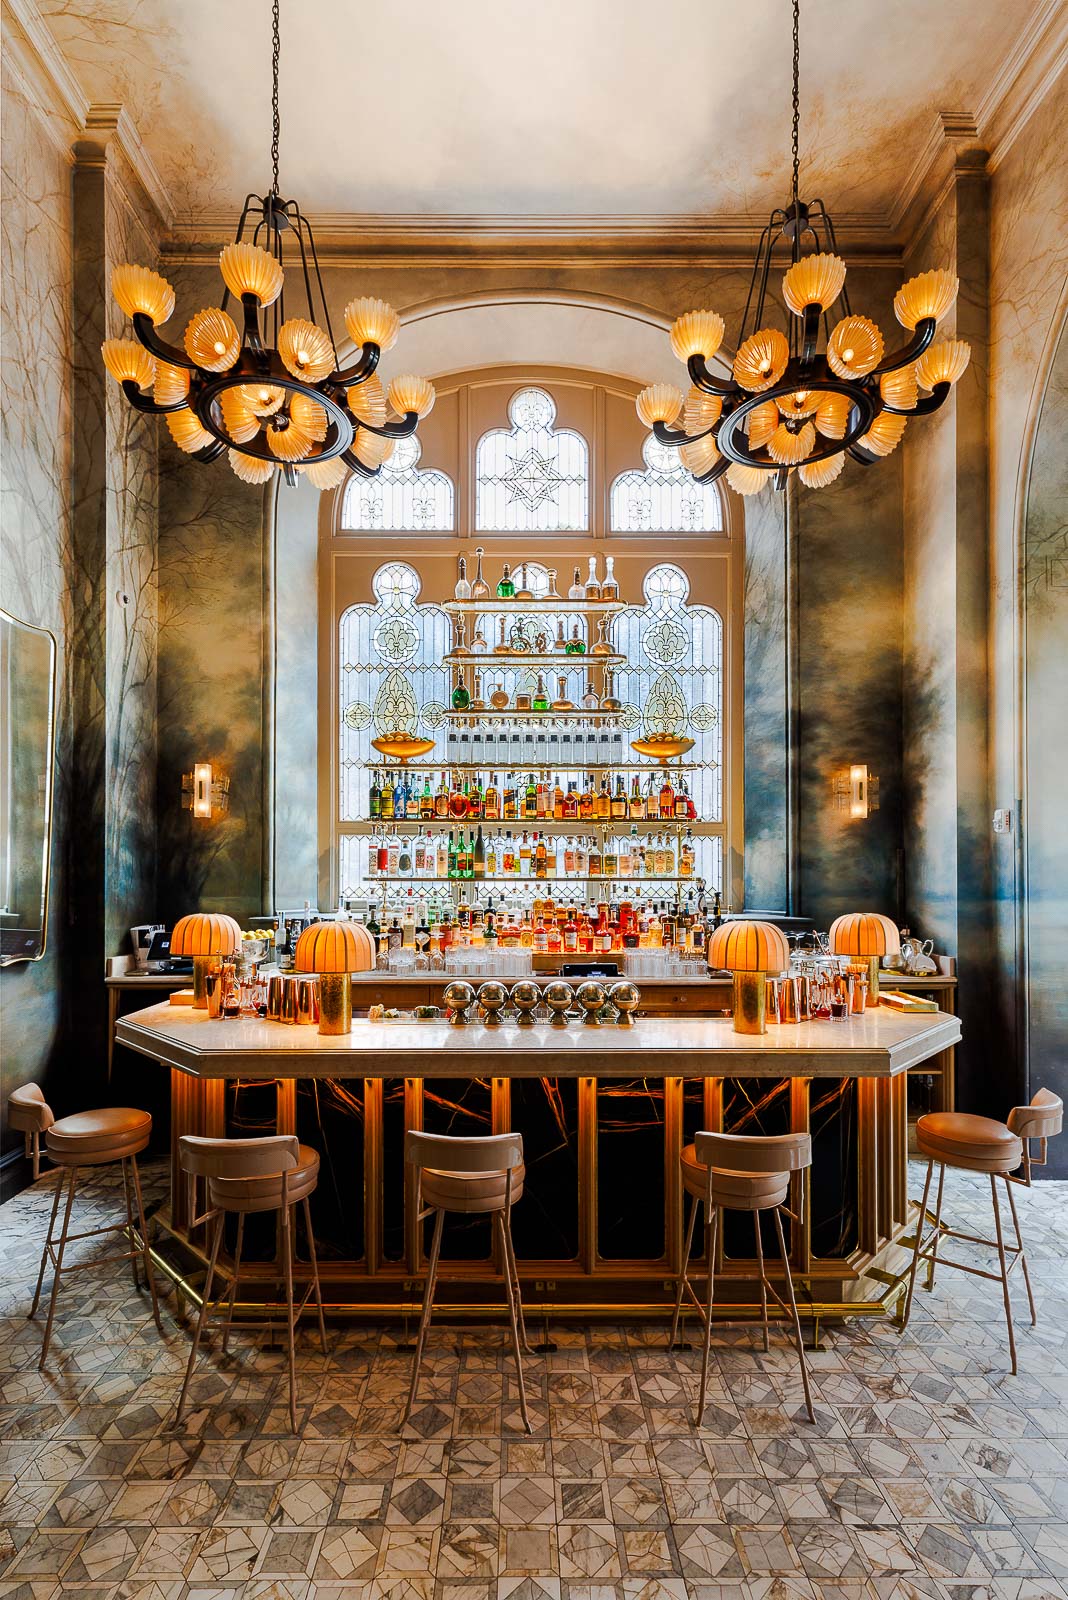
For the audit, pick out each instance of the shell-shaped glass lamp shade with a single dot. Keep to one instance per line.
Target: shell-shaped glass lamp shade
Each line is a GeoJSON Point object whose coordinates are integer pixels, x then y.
{"type": "Point", "coordinates": [802, 403]}
{"type": "Point", "coordinates": [745, 946]}
{"type": "Point", "coordinates": [814, 281]}
{"type": "Point", "coordinates": [172, 383]}
{"type": "Point", "coordinates": [899, 388]}
{"type": "Point", "coordinates": [696, 333]}
{"type": "Point", "coordinates": [309, 415]}
{"type": "Point", "coordinates": [139, 289]}
{"type": "Point", "coordinates": [127, 360]}
{"type": "Point", "coordinates": [820, 473]}
{"type": "Point", "coordinates": [246, 269]}
{"type": "Point", "coordinates": [185, 429]}
{"type": "Point", "coordinates": [372, 449]}
{"type": "Point", "coordinates": [250, 469]}
{"type": "Point", "coordinates": [762, 422]}
{"type": "Point", "coordinates": [746, 480]}
{"type": "Point", "coordinates": [761, 360]}
{"type": "Point", "coordinates": [207, 933]}
{"type": "Point", "coordinates": [326, 474]}
{"type": "Point", "coordinates": [304, 349]}
{"type": "Point", "coordinates": [884, 435]}
{"type": "Point", "coordinates": [241, 423]}
{"type": "Point", "coordinates": [289, 444]}
{"type": "Point", "coordinates": [660, 402]}
{"type": "Point", "coordinates": [864, 933]}
{"type": "Point", "coordinates": [944, 362]}
{"type": "Point", "coordinates": [855, 347]}
{"type": "Point", "coordinates": [701, 410]}
{"type": "Point", "coordinates": [411, 393]}
{"type": "Point", "coordinates": [335, 947]}
{"type": "Point", "coordinates": [788, 448]}
{"type": "Point", "coordinates": [212, 340]}
{"type": "Point", "coordinates": [931, 294]}
{"type": "Point", "coordinates": [371, 321]}
{"type": "Point", "coordinates": [367, 401]}
{"type": "Point", "coordinates": [262, 398]}
{"type": "Point", "coordinates": [699, 457]}
{"type": "Point", "coordinates": [832, 415]}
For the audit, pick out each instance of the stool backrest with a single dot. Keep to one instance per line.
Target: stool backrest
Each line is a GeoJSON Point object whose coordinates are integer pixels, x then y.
{"type": "Point", "coordinates": [28, 1111]}
{"type": "Point", "coordinates": [444, 1152]}
{"type": "Point", "coordinates": [742, 1152]}
{"type": "Point", "coordinates": [268, 1157]}
{"type": "Point", "coordinates": [1041, 1119]}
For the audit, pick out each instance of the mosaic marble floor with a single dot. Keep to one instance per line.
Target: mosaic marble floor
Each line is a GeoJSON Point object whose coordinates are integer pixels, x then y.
{"type": "Point", "coordinates": [930, 1473]}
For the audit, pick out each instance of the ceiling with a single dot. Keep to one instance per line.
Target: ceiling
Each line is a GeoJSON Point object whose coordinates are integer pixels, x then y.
{"type": "Point", "coordinates": [583, 108]}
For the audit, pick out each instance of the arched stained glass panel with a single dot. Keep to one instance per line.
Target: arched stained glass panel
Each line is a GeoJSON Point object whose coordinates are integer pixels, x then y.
{"type": "Point", "coordinates": [664, 498]}
{"type": "Point", "coordinates": [402, 498]}
{"type": "Point", "coordinates": [531, 477]}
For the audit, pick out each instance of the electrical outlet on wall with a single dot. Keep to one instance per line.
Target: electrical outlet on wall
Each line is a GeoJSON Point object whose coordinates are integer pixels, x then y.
{"type": "Point", "coordinates": [1002, 821]}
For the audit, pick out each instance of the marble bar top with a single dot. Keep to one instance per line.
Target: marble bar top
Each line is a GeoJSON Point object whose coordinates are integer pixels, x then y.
{"type": "Point", "coordinates": [879, 1044]}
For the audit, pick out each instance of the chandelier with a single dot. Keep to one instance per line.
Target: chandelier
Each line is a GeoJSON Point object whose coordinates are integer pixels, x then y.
{"type": "Point", "coordinates": [788, 405]}
{"type": "Point", "coordinates": [270, 392]}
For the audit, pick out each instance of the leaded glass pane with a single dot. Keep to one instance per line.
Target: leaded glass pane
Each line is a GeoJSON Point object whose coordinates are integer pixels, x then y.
{"type": "Point", "coordinates": [401, 498]}
{"type": "Point", "coordinates": [529, 477]}
{"type": "Point", "coordinates": [664, 498]}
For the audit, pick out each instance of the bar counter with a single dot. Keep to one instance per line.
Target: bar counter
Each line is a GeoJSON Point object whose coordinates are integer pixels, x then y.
{"type": "Point", "coordinates": [604, 1112]}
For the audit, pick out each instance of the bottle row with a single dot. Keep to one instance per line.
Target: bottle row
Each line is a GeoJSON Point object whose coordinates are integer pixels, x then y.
{"type": "Point", "coordinates": [518, 640]}
{"type": "Point", "coordinates": [459, 795]}
{"type": "Point", "coordinates": [507, 588]}
{"type": "Point", "coordinates": [497, 854]}
{"type": "Point", "coordinates": [537, 700]}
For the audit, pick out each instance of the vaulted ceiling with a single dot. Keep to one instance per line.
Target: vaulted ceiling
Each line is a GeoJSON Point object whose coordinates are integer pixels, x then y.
{"type": "Point", "coordinates": [576, 108]}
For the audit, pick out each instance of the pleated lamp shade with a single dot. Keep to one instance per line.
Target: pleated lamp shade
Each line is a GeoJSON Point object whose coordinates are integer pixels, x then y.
{"type": "Point", "coordinates": [864, 933]}
{"type": "Point", "coordinates": [206, 933]}
{"type": "Point", "coordinates": [335, 947]}
{"type": "Point", "coordinates": [749, 947]}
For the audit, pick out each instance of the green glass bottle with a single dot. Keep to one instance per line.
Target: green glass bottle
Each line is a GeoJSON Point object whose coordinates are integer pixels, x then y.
{"type": "Point", "coordinates": [576, 645]}
{"type": "Point", "coordinates": [540, 699]}
{"type": "Point", "coordinates": [460, 697]}
{"type": "Point", "coordinates": [506, 588]}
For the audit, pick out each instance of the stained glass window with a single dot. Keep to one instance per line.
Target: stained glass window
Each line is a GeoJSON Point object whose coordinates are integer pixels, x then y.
{"type": "Point", "coordinates": [402, 498]}
{"type": "Point", "coordinates": [531, 477]}
{"type": "Point", "coordinates": [664, 498]}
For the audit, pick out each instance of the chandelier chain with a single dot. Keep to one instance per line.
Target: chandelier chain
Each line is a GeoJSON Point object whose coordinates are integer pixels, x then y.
{"type": "Point", "coordinates": [276, 54]}
{"type": "Point", "coordinates": [797, 97]}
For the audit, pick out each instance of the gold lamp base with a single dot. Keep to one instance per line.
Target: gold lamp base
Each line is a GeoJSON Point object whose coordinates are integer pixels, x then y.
{"type": "Point", "coordinates": [335, 1002]}
{"type": "Point", "coordinates": [750, 1002]}
{"type": "Point", "coordinates": [873, 980]}
{"type": "Point", "coordinates": [202, 965]}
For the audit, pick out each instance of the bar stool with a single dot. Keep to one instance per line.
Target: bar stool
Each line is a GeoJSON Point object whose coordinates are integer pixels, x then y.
{"type": "Point", "coordinates": [742, 1172]}
{"type": "Point", "coordinates": [471, 1175]}
{"type": "Point", "coordinates": [86, 1139]}
{"type": "Point", "coordinates": [275, 1173]}
{"type": "Point", "coordinates": [982, 1144]}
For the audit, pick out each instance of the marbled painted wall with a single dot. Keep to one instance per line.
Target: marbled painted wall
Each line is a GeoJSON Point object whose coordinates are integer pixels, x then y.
{"type": "Point", "coordinates": [766, 727]}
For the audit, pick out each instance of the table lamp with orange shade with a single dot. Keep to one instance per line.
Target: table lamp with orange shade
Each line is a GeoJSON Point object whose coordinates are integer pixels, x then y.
{"type": "Point", "coordinates": [334, 950]}
{"type": "Point", "coordinates": [749, 951]}
{"type": "Point", "coordinates": [868, 936]}
{"type": "Point", "coordinates": [206, 936]}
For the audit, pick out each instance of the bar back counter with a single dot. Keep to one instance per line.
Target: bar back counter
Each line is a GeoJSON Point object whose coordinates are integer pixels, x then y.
{"type": "Point", "coordinates": [604, 1112]}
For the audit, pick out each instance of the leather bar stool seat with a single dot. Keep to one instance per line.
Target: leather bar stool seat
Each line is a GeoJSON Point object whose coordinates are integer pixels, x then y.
{"type": "Point", "coordinates": [249, 1194]}
{"type": "Point", "coordinates": [738, 1191]}
{"type": "Point", "coordinates": [471, 1192]}
{"type": "Point", "coordinates": [29, 1113]}
{"type": "Point", "coordinates": [91, 1138]}
{"type": "Point", "coordinates": [979, 1144]}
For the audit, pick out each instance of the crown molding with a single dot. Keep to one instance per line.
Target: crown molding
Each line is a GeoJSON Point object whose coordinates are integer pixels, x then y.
{"type": "Point", "coordinates": [1024, 79]}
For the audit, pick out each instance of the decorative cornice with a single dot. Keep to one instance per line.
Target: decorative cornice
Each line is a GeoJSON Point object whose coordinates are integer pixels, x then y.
{"type": "Point", "coordinates": [104, 123]}
{"type": "Point", "coordinates": [1025, 78]}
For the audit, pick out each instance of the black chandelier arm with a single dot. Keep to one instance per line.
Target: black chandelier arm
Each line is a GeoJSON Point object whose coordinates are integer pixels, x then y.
{"type": "Point", "coordinates": [392, 430]}
{"type": "Point", "coordinates": [351, 459]}
{"type": "Point", "coordinates": [144, 402]}
{"type": "Point", "coordinates": [251, 307]}
{"type": "Point", "coordinates": [703, 379]}
{"type": "Point", "coordinates": [810, 332]}
{"type": "Point", "coordinates": [714, 472]}
{"type": "Point", "coordinates": [864, 457]}
{"type": "Point", "coordinates": [362, 369]}
{"type": "Point", "coordinates": [921, 338]}
{"type": "Point", "coordinates": [210, 452]}
{"type": "Point", "coordinates": [674, 438]}
{"type": "Point", "coordinates": [145, 330]}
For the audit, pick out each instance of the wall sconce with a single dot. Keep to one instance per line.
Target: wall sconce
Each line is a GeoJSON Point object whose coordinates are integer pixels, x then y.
{"type": "Point", "coordinates": [204, 795]}
{"type": "Point", "coordinates": [855, 790]}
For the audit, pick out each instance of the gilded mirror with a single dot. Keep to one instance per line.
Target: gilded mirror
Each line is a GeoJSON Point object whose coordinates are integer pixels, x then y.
{"type": "Point", "coordinates": [27, 761]}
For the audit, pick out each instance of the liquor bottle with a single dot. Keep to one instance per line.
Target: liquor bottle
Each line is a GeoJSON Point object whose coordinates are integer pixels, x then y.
{"type": "Point", "coordinates": [383, 856]}
{"type": "Point", "coordinates": [586, 799]}
{"type": "Point", "coordinates": [569, 807]}
{"type": "Point", "coordinates": [530, 798]}
{"type": "Point", "coordinates": [454, 857]}
{"type": "Point", "coordinates": [491, 800]}
{"type": "Point", "coordinates": [592, 589]}
{"type": "Point", "coordinates": [480, 588]}
{"type": "Point", "coordinates": [637, 799]}
{"type": "Point", "coordinates": [426, 801]}
{"type": "Point", "coordinates": [609, 585]}
{"type": "Point", "coordinates": [462, 590]}
{"type": "Point", "coordinates": [540, 857]}
{"type": "Point", "coordinates": [285, 950]}
{"type": "Point", "coordinates": [385, 799]}
{"type": "Point", "coordinates": [554, 941]}
{"type": "Point", "coordinates": [374, 928]}
{"type": "Point", "coordinates": [374, 799]}
{"type": "Point", "coordinates": [619, 802]}
{"type": "Point", "coordinates": [524, 855]}
{"type": "Point", "coordinates": [540, 699]}
{"type": "Point", "coordinates": [667, 798]}
{"type": "Point", "coordinates": [576, 591]}
{"type": "Point", "coordinates": [404, 858]}
{"type": "Point", "coordinates": [558, 800]}
{"type": "Point", "coordinates": [609, 701]}
{"type": "Point", "coordinates": [441, 857]}
{"type": "Point", "coordinates": [554, 593]}
{"type": "Point", "coordinates": [419, 854]}
{"type": "Point", "coordinates": [576, 645]}
{"type": "Point", "coordinates": [474, 797]}
{"type": "Point", "coordinates": [460, 697]}
{"type": "Point", "coordinates": [570, 932]}
{"type": "Point", "coordinates": [560, 643]}
{"type": "Point", "coordinates": [590, 702]}
{"type": "Point", "coordinates": [372, 855]}
{"type": "Point", "coordinates": [508, 855]}
{"type": "Point", "coordinates": [478, 861]}
{"type": "Point", "coordinates": [412, 801]}
{"type": "Point", "coordinates": [541, 937]}
{"type": "Point", "coordinates": [408, 924]}
{"type": "Point", "coordinates": [441, 799]}
{"type": "Point", "coordinates": [652, 800]}
{"type": "Point", "coordinates": [687, 855]}
{"type": "Point", "coordinates": [682, 802]}
{"type": "Point", "coordinates": [506, 588]}
{"type": "Point", "coordinates": [594, 861]}
{"type": "Point", "coordinates": [509, 805]}
{"type": "Point", "coordinates": [457, 798]}
{"type": "Point", "coordinates": [493, 854]}
{"type": "Point", "coordinates": [602, 805]}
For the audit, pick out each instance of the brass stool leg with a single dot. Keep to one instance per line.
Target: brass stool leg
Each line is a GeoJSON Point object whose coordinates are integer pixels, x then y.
{"type": "Point", "coordinates": [797, 1319]}
{"type": "Point", "coordinates": [514, 1274]}
{"type": "Point", "coordinates": [58, 1267]}
{"type": "Point", "coordinates": [695, 1206]}
{"type": "Point", "coordinates": [1023, 1253]}
{"type": "Point", "coordinates": [199, 1329]}
{"type": "Point", "coordinates": [713, 1234]}
{"type": "Point", "coordinates": [502, 1227]}
{"type": "Point", "coordinates": [1004, 1269]}
{"type": "Point", "coordinates": [919, 1241]}
{"type": "Point", "coordinates": [428, 1302]}
{"type": "Point", "coordinates": [936, 1241]}
{"type": "Point", "coordinates": [315, 1272]}
{"type": "Point", "coordinates": [287, 1258]}
{"type": "Point", "coordinates": [146, 1254]}
{"type": "Point", "coordinates": [127, 1196]}
{"type": "Point", "coordinates": [763, 1278]}
{"type": "Point", "coordinates": [233, 1282]}
{"type": "Point", "coordinates": [60, 1179]}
